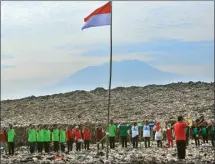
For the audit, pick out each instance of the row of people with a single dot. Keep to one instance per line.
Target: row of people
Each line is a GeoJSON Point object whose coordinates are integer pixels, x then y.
{"type": "Point", "coordinates": [42, 137]}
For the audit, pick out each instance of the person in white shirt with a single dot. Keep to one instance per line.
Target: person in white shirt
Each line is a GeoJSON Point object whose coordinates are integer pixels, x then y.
{"type": "Point", "coordinates": [135, 134]}
{"type": "Point", "coordinates": [146, 134]}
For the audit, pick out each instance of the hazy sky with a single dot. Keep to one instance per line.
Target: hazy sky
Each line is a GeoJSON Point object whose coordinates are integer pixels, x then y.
{"type": "Point", "coordinates": [42, 42]}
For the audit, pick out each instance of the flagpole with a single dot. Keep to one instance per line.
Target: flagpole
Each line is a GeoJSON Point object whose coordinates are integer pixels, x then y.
{"type": "Point", "coordinates": [110, 78]}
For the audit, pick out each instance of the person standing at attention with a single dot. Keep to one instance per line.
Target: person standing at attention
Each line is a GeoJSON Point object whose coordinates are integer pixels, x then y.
{"type": "Point", "coordinates": [62, 139]}
{"type": "Point", "coordinates": [47, 139]}
{"type": "Point", "coordinates": [10, 139]}
{"type": "Point", "coordinates": [180, 136]}
{"type": "Point", "coordinates": [146, 134]}
{"type": "Point", "coordinates": [112, 134]}
{"type": "Point", "coordinates": [32, 138]}
{"type": "Point", "coordinates": [40, 139]}
{"type": "Point", "coordinates": [135, 135]}
{"type": "Point", "coordinates": [56, 138]}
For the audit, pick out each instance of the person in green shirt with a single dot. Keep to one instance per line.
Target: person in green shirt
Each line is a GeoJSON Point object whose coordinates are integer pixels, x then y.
{"type": "Point", "coordinates": [62, 139]}
{"type": "Point", "coordinates": [40, 138]}
{"type": "Point", "coordinates": [56, 138]}
{"type": "Point", "coordinates": [112, 134]}
{"type": "Point", "coordinates": [32, 138]}
{"type": "Point", "coordinates": [47, 139]}
{"type": "Point", "coordinates": [123, 132]}
{"type": "Point", "coordinates": [10, 139]}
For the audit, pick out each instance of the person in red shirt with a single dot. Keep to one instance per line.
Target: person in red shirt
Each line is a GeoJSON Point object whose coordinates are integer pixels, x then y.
{"type": "Point", "coordinates": [180, 136]}
{"type": "Point", "coordinates": [86, 137]}
{"type": "Point", "coordinates": [3, 139]}
{"type": "Point", "coordinates": [169, 135]}
{"type": "Point", "coordinates": [99, 136]}
{"type": "Point", "coordinates": [69, 139]}
{"type": "Point", "coordinates": [78, 138]}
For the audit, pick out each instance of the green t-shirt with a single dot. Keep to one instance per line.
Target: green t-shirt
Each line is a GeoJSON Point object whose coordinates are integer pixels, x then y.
{"type": "Point", "coordinates": [123, 130]}
{"type": "Point", "coordinates": [11, 135]}
{"type": "Point", "coordinates": [112, 130]}
{"type": "Point", "coordinates": [204, 131]}
{"type": "Point", "coordinates": [32, 135]}
{"type": "Point", "coordinates": [62, 136]}
{"type": "Point", "coordinates": [55, 135]}
{"type": "Point", "coordinates": [47, 135]}
{"type": "Point", "coordinates": [40, 135]}
{"type": "Point", "coordinates": [195, 131]}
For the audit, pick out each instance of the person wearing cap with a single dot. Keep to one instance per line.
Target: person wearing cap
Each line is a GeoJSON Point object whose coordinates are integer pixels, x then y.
{"type": "Point", "coordinates": [10, 139]}
{"type": "Point", "coordinates": [32, 134]}
{"type": "Point", "coordinates": [112, 134]}
{"type": "Point", "coordinates": [78, 138]}
{"type": "Point", "coordinates": [56, 138]}
{"type": "Point", "coordinates": [180, 136]}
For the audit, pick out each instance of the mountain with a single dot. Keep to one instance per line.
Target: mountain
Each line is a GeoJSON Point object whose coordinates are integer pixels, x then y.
{"type": "Point", "coordinates": [125, 73]}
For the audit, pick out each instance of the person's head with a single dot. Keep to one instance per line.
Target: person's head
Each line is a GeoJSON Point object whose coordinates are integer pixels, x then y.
{"type": "Point", "coordinates": [180, 118]}
{"type": "Point", "coordinates": [146, 122]}
{"type": "Point", "coordinates": [76, 127]}
{"type": "Point", "coordinates": [111, 122]}
{"type": "Point", "coordinates": [10, 126]}
{"type": "Point", "coordinates": [135, 123]}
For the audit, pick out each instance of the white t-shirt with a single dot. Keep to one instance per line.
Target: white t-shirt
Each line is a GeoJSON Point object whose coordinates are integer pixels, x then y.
{"type": "Point", "coordinates": [146, 131]}
{"type": "Point", "coordinates": [134, 131]}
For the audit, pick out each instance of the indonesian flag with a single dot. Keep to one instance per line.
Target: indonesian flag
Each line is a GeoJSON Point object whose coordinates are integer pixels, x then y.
{"type": "Point", "coordinates": [99, 17]}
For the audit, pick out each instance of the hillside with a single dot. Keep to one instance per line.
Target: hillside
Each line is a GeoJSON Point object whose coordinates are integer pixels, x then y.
{"type": "Point", "coordinates": [131, 103]}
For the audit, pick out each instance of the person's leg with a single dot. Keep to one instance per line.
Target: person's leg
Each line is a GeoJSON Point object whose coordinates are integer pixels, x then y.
{"type": "Point", "coordinates": [198, 142]}
{"type": "Point", "coordinates": [88, 145]}
{"type": "Point", "coordinates": [122, 141]}
{"type": "Point", "coordinates": [72, 142]}
{"type": "Point", "coordinates": [212, 139]}
{"type": "Point", "coordinates": [133, 141]}
{"type": "Point", "coordinates": [178, 144]}
{"type": "Point", "coordinates": [12, 148]}
{"type": "Point", "coordinates": [171, 143]}
{"type": "Point", "coordinates": [136, 143]}
{"type": "Point", "coordinates": [145, 141]}
{"type": "Point", "coordinates": [157, 143]}
{"type": "Point", "coordinates": [206, 138]}
{"type": "Point", "coordinates": [195, 138]}
{"type": "Point", "coordinates": [183, 149]}
{"type": "Point", "coordinates": [114, 142]}
{"type": "Point", "coordinates": [76, 145]}
{"type": "Point", "coordinates": [126, 141]}
{"type": "Point", "coordinates": [203, 138]}
{"type": "Point", "coordinates": [85, 144]}
{"type": "Point", "coordinates": [168, 140]}
{"type": "Point", "coordinates": [148, 141]}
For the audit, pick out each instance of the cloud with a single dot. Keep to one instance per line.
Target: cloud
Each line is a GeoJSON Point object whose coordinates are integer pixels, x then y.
{"type": "Point", "coordinates": [46, 42]}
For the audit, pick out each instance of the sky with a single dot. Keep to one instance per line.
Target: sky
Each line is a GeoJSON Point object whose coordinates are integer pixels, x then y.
{"type": "Point", "coordinates": [42, 42]}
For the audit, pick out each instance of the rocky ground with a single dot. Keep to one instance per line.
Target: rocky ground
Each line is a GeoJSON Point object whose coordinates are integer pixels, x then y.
{"type": "Point", "coordinates": [163, 102]}
{"type": "Point", "coordinates": [152, 155]}
{"type": "Point", "coordinates": [132, 103]}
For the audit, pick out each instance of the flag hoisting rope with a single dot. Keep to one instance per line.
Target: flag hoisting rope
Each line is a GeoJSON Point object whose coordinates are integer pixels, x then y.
{"type": "Point", "coordinates": [102, 17]}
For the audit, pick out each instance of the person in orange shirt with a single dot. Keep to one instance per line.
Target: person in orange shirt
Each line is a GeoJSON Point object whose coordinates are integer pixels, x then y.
{"type": "Point", "coordinates": [3, 139]}
{"type": "Point", "coordinates": [78, 138]}
{"type": "Point", "coordinates": [86, 137]}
